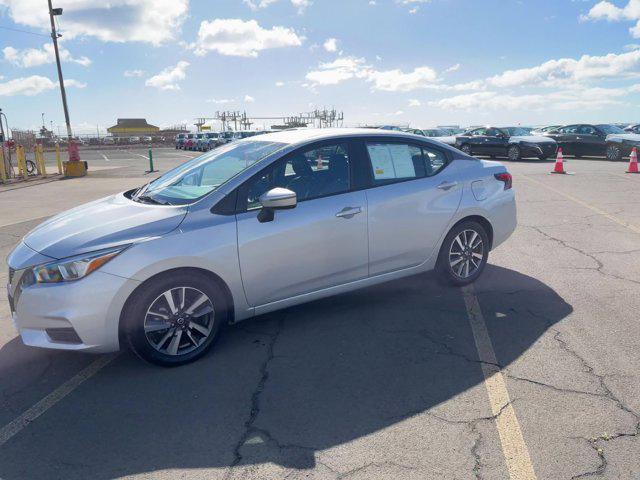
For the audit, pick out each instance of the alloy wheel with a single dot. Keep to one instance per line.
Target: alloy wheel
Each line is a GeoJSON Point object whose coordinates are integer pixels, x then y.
{"type": "Point", "coordinates": [466, 149]}
{"type": "Point", "coordinates": [466, 253]}
{"type": "Point", "coordinates": [613, 152]}
{"type": "Point", "coordinates": [179, 321]}
{"type": "Point", "coordinates": [513, 153]}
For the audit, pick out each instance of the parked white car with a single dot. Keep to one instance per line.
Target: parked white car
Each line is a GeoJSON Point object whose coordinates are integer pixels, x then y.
{"type": "Point", "coordinates": [251, 227]}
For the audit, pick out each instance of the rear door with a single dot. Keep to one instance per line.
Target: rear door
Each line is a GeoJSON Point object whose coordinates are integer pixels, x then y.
{"type": "Point", "coordinates": [567, 139]}
{"type": "Point", "coordinates": [591, 141]}
{"type": "Point", "coordinates": [413, 194]}
{"type": "Point", "coordinates": [479, 141]}
{"type": "Point", "coordinates": [496, 142]}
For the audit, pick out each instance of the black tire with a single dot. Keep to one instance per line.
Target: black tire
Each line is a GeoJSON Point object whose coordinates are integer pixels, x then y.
{"type": "Point", "coordinates": [445, 271]}
{"type": "Point", "coordinates": [613, 153]}
{"type": "Point", "coordinates": [466, 149]}
{"type": "Point", "coordinates": [513, 153]}
{"type": "Point", "coordinates": [135, 313]}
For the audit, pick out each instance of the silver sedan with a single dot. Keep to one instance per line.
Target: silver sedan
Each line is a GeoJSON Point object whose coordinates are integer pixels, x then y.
{"type": "Point", "coordinates": [255, 226]}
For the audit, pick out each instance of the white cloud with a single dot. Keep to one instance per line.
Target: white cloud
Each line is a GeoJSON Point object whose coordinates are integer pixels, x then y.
{"type": "Point", "coordinates": [33, 85]}
{"type": "Point", "coordinates": [149, 21]}
{"type": "Point", "coordinates": [235, 37]}
{"type": "Point", "coordinates": [331, 45]}
{"type": "Point", "coordinates": [249, 99]}
{"type": "Point", "coordinates": [399, 81]}
{"type": "Point", "coordinates": [220, 101]}
{"type": "Point", "coordinates": [605, 10]}
{"type": "Point", "coordinates": [168, 78]}
{"type": "Point", "coordinates": [453, 68]}
{"type": "Point", "coordinates": [632, 46]}
{"type": "Point", "coordinates": [566, 71]}
{"type": "Point", "coordinates": [34, 57]}
{"type": "Point", "coordinates": [341, 69]}
{"type": "Point", "coordinates": [414, 102]}
{"type": "Point", "coordinates": [133, 73]}
{"type": "Point", "coordinates": [279, 84]}
{"type": "Point", "coordinates": [346, 68]}
{"type": "Point", "coordinates": [300, 5]}
{"type": "Point", "coordinates": [570, 99]}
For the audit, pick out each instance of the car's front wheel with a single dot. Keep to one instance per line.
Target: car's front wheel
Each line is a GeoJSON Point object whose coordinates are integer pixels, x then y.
{"type": "Point", "coordinates": [614, 153]}
{"type": "Point", "coordinates": [463, 254]}
{"type": "Point", "coordinates": [174, 319]}
{"type": "Point", "coordinates": [513, 153]}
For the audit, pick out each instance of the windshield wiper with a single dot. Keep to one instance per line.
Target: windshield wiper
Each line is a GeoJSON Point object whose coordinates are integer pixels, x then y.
{"type": "Point", "coordinates": [148, 199]}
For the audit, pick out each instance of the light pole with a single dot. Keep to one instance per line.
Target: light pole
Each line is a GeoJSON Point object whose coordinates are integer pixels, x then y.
{"type": "Point", "coordinates": [54, 36]}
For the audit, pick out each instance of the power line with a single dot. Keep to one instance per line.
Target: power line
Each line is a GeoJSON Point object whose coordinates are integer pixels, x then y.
{"type": "Point", "coordinates": [24, 31]}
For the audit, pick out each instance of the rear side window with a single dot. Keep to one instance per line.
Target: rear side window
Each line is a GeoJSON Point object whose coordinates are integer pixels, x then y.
{"type": "Point", "coordinates": [396, 162]}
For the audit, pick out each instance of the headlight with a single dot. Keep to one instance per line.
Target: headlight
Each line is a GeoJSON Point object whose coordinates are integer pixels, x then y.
{"type": "Point", "coordinates": [74, 268]}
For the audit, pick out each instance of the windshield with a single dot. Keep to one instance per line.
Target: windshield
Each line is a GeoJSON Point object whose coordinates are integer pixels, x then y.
{"type": "Point", "coordinates": [202, 175]}
{"type": "Point", "coordinates": [515, 131]}
{"type": "Point", "coordinates": [435, 132]}
{"type": "Point", "coordinates": [608, 129]}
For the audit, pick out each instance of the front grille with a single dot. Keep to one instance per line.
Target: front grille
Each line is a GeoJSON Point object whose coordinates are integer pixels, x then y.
{"type": "Point", "coordinates": [63, 335]}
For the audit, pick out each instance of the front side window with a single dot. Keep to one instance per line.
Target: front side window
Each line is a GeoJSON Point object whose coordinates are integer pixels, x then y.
{"type": "Point", "coordinates": [204, 174]}
{"type": "Point", "coordinates": [571, 129]}
{"type": "Point", "coordinates": [395, 162]}
{"type": "Point", "coordinates": [611, 129]}
{"type": "Point", "coordinates": [587, 130]}
{"type": "Point", "coordinates": [310, 173]}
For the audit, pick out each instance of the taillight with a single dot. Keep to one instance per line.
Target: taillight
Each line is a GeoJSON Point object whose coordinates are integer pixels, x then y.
{"type": "Point", "coordinates": [505, 178]}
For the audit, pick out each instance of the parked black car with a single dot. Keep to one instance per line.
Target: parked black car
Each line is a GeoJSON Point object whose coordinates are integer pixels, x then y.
{"type": "Point", "coordinates": [607, 140]}
{"type": "Point", "coordinates": [633, 128]}
{"type": "Point", "coordinates": [511, 142]}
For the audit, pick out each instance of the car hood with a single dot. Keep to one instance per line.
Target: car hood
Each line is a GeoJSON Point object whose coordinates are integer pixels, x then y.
{"type": "Point", "coordinates": [620, 137]}
{"type": "Point", "coordinates": [531, 139]}
{"type": "Point", "coordinates": [104, 223]}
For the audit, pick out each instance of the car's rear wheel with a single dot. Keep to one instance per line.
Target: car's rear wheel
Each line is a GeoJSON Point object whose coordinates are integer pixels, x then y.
{"type": "Point", "coordinates": [174, 319]}
{"type": "Point", "coordinates": [466, 149]}
{"type": "Point", "coordinates": [463, 254]}
{"type": "Point", "coordinates": [614, 153]}
{"type": "Point", "coordinates": [513, 153]}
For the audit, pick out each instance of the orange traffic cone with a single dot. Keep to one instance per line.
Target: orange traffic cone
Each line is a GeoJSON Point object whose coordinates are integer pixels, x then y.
{"type": "Point", "coordinates": [559, 168]}
{"type": "Point", "coordinates": [633, 161]}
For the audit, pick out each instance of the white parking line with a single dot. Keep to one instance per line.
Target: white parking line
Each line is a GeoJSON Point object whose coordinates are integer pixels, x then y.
{"type": "Point", "coordinates": [514, 447]}
{"type": "Point", "coordinates": [140, 155]}
{"type": "Point", "coordinates": [21, 422]}
{"type": "Point", "coordinates": [104, 156]}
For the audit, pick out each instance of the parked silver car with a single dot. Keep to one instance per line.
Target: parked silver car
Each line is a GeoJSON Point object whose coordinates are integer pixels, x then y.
{"type": "Point", "coordinates": [251, 227]}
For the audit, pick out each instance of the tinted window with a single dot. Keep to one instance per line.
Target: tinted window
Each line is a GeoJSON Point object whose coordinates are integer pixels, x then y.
{"type": "Point", "coordinates": [609, 129]}
{"type": "Point", "coordinates": [394, 162]}
{"type": "Point", "coordinates": [478, 131]}
{"type": "Point", "coordinates": [311, 173]}
{"type": "Point", "coordinates": [569, 129]}
{"type": "Point", "coordinates": [587, 130]}
{"type": "Point", "coordinates": [517, 131]}
{"type": "Point", "coordinates": [493, 132]}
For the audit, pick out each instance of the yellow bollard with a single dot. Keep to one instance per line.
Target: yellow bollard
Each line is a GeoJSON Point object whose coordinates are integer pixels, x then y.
{"type": "Point", "coordinates": [58, 159]}
{"type": "Point", "coordinates": [22, 164]}
{"type": "Point", "coordinates": [36, 159]}
{"type": "Point", "coordinates": [3, 171]}
{"type": "Point", "coordinates": [43, 169]}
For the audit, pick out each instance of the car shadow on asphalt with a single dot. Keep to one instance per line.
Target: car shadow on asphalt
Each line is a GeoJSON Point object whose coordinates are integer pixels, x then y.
{"type": "Point", "coordinates": [282, 387]}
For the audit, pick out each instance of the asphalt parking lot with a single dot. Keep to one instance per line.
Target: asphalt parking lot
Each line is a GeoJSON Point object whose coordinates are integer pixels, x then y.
{"type": "Point", "coordinates": [532, 373]}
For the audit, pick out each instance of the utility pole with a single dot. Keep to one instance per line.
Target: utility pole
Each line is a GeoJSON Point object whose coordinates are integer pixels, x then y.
{"type": "Point", "coordinates": [54, 36]}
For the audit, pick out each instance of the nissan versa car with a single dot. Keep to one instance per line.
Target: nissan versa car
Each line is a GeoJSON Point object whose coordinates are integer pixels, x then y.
{"type": "Point", "coordinates": [254, 226]}
{"type": "Point", "coordinates": [511, 142]}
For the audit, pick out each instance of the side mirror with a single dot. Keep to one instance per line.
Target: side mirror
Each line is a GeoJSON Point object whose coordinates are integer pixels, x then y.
{"type": "Point", "coordinates": [276, 199]}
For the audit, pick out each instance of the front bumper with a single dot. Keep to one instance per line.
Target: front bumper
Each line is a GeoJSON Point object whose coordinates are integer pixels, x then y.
{"type": "Point", "coordinates": [537, 150]}
{"type": "Point", "coordinates": [90, 307]}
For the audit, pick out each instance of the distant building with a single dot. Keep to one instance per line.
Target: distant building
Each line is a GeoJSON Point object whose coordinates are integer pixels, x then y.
{"type": "Point", "coordinates": [133, 127]}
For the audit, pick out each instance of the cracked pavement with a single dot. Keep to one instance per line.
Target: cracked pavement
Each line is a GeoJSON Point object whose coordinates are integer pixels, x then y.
{"type": "Point", "coordinates": [381, 383]}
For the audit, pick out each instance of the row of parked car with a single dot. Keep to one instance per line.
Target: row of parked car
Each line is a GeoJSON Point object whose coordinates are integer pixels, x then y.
{"type": "Point", "coordinates": [205, 141]}
{"type": "Point", "coordinates": [612, 141]}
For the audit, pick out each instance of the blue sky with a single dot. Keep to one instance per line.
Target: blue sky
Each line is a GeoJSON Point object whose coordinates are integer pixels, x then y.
{"type": "Point", "coordinates": [418, 62]}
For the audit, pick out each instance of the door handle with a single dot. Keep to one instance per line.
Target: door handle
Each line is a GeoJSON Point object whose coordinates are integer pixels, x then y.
{"type": "Point", "coordinates": [348, 212]}
{"type": "Point", "coordinates": [447, 185]}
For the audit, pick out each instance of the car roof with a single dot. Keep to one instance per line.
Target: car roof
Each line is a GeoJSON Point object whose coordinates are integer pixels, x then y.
{"type": "Point", "coordinates": [305, 135]}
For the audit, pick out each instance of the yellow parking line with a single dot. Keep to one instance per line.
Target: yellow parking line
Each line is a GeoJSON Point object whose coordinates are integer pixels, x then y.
{"type": "Point", "coordinates": [17, 425]}
{"type": "Point", "coordinates": [630, 226]}
{"type": "Point", "coordinates": [514, 448]}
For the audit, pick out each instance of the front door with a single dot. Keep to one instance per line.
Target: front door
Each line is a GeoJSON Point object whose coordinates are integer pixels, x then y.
{"type": "Point", "coordinates": [320, 243]}
{"type": "Point", "coordinates": [411, 201]}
